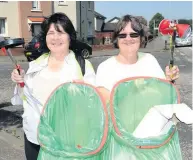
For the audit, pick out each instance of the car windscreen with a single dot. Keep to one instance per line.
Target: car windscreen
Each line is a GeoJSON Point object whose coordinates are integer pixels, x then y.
{"type": "Point", "coordinates": [34, 39]}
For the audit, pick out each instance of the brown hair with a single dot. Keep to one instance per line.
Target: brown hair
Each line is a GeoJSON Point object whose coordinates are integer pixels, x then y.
{"type": "Point", "coordinates": [135, 25]}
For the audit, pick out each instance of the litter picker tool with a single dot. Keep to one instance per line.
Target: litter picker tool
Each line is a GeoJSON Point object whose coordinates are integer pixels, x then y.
{"type": "Point", "coordinates": [5, 46]}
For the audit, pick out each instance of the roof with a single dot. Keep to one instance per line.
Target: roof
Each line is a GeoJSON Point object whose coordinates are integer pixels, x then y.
{"type": "Point", "coordinates": [140, 18]}
{"type": "Point", "coordinates": [109, 26]}
{"type": "Point", "coordinates": [35, 19]}
{"type": "Point", "coordinates": [113, 19]}
{"type": "Point", "coordinates": [98, 15]}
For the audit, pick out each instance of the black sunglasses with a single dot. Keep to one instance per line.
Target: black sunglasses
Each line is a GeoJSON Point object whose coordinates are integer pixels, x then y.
{"type": "Point", "coordinates": [124, 35]}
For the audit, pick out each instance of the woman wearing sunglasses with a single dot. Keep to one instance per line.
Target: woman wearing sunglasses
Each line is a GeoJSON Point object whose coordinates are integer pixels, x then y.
{"type": "Point", "coordinates": [128, 37]}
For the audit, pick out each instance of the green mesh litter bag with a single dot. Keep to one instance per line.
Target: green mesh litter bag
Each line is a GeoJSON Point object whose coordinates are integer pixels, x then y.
{"type": "Point", "coordinates": [130, 100]}
{"type": "Point", "coordinates": [73, 124]}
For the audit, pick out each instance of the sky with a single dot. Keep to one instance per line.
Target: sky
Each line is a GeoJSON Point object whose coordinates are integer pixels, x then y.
{"type": "Point", "coordinates": [147, 9]}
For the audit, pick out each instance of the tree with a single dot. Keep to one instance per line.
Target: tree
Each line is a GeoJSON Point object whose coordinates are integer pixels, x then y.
{"type": "Point", "coordinates": [157, 18]}
{"type": "Point", "coordinates": [142, 20]}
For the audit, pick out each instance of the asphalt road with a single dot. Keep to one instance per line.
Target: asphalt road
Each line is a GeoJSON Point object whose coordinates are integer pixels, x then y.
{"type": "Point", "coordinates": [11, 148]}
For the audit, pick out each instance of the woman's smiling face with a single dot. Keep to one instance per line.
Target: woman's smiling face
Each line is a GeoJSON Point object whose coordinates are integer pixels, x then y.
{"type": "Point", "coordinates": [57, 41]}
{"type": "Point", "coordinates": [131, 42]}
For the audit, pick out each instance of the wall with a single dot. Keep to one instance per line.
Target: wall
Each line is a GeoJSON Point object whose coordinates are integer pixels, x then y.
{"type": "Point", "coordinates": [69, 8]}
{"type": "Point", "coordinates": [98, 24]}
{"type": "Point", "coordinates": [86, 16]}
{"type": "Point", "coordinates": [9, 10]}
{"type": "Point", "coordinates": [25, 8]}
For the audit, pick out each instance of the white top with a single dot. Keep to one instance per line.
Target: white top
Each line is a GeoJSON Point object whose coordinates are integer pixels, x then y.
{"type": "Point", "coordinates": [39, 84]}
{"type": "Point", "coordinates": [111, 71]}
{"type": "Point", "coordinates": [44, 83]}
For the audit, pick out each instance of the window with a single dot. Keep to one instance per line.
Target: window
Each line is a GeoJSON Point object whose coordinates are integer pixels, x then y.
{"type": "Point", "coordinates": [35, 5]}
{"type": "Point", "coordinates": [34, 39]}
{"type": "Point", "coordinates": [89, 28]}
{"type": "Point", "coordinates": [89, 5]}
{"type": "Point", "coordinates": [36, 28]}
{"type": "Point", "coordinates": [62, 3]}
{"type": "Point", "coordinates": [2, 26]}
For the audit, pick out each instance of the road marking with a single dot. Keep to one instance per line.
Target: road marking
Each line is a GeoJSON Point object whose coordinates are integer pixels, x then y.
{"type": "Point", "coordinates": [182, 65]}
{"type": "Point", "coordinates": [176, 58]}
{"type": "Point", "coordinates": [181, 53]}
{"type": "Point", "coordinates": [3, 69]}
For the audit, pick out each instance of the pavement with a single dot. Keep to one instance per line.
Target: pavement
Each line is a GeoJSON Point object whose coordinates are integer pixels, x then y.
{"type": "Point", "coordinates": [11, 147]}
{"type": "Point", "coordinates": [154, 46]}
{"type": "Point", "coordinates": [11, 134]}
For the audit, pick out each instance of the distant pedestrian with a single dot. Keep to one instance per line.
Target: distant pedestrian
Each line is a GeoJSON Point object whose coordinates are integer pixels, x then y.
{"type": "Point", "coordinates": [103, 40]}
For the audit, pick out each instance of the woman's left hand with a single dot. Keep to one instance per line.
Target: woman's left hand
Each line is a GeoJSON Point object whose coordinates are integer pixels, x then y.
{"type": "Point", "coordinates": [172, 74]}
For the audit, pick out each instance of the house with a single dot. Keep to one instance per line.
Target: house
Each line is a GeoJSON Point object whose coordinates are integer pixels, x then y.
{"type": "Point", "coordinates": [81, 14]}
{"type": "Point", "coordinates": [108, 29]}
{"type": "Point", "coordinates": [28, 16]}
{"type": "Point", "coordinates": [104, 31]}
{"type": "Point", "coordinates": [22, 19]}
{"type": "Point", "coordinates": [99, 21]}
{"type": "Point", "coordinates": [7, 20]}
{"type": "Point", "coordinates": [114, 20]}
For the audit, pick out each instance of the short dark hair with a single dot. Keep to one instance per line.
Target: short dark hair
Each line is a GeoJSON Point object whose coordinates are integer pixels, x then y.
{"type": "Point", "coordinates": [135, 25]}
{"type": "Point", "coordinates": [57, 19]}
